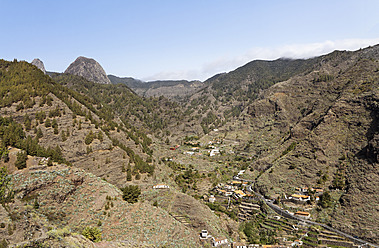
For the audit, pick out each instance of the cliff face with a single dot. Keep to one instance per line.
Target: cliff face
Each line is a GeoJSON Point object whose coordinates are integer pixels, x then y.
{"type": "Point", "coordinates": [39, 64]}
{"type": "Point", "coordinates": [88, 68]}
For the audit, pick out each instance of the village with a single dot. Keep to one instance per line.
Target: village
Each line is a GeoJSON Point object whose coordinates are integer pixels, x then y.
{"type": "Point", "coordinates": [237, 196]}
{"type": "Point", "coordinates": [236, 199]}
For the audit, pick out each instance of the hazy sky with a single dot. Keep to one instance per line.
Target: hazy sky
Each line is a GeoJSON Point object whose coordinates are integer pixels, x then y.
{"type": "Point", "coordinates": [194, 39]}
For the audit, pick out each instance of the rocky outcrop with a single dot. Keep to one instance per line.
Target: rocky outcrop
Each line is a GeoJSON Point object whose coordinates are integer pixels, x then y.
{"type": "Point", "coordinates": [37, 62]}
{"type": "Point", "coordinates": [88, 68]}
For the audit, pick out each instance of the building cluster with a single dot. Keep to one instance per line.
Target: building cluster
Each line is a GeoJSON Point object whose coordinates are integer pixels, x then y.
{"type": "Point", "coordinates": [235, 189]}
{"type": "Point", "coordinates": [304, 194]}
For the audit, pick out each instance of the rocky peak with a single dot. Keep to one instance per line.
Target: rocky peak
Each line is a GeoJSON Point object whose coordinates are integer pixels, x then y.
{"type": "Point", "coordinates": [89, 69]}
{"type": "Point", "coordinates": [37, 62]}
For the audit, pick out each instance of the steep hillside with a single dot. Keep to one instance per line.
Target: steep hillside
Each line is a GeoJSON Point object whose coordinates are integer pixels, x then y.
{"type": "Point", "coordinates": [319, 130]}
{"type": "Point", "coordinates": [64, 198]}
{"type": "Point", "coordinates": [89, 69]}
{"type": "Point", "coordinates": [227, 95]}
{"type": "Point", "coordinates": [85, 134]}
{"type": "Point", "coordinates": [46, 119]}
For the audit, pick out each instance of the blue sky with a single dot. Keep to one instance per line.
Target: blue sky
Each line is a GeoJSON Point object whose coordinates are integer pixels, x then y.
{"type": "Point", "coordinates": [166, 39]}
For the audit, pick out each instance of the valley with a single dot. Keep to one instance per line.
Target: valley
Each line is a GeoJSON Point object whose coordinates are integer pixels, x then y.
{"type": "Point", "coordinates": [246, 155]}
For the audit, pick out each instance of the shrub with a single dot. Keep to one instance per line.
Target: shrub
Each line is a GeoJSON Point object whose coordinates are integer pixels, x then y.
{"type": "Point", "coordinates": [89, 138]}
{"type": "Point", "coordinates": [92, 233]}
{"type": "Point", "coordinates": [325, 200]}
{"type": "Point", "coordinates": [3, 244]}
{"type": "Point", "coordinates": [59, 233]}
{"type": "Point", "coordinates": [289, 148]}
{"type": "Point", "coordinates": [131, 193]}
{"type": "Point", "coordinates": [47, 123]}
{"type": "Point", "coordinates": [138, 176]}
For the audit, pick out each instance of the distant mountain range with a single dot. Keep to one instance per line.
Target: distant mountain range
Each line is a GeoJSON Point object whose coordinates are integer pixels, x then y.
{"type": "Point", "coordinates": [167, 88]}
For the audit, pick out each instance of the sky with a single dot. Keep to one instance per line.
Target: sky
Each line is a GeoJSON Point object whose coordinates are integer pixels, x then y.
{"type": "Point", "coordinates": [193, 40]}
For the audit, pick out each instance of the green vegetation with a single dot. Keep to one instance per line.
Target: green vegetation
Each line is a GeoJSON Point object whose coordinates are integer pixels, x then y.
{"type": "Point", "coordinates": [21, 160]}
{"type": "Point", "coordinates": [152, 113]}
{"type": "Point", "coordinates": [3, 244]}
{"type": "Point", "coordinates": [339, 181]}
{"type": "Point", "coordinates": [6, 193]}
{"type": "Point", "coordinates": [12, 134]}
{"type": "Point", "coordinates": [325, 200]}
{"type": "Point", "coordinates": [323, 78]}
{"type": "Point", "coordinates": [289, 149]}
{"type": "Point", "coordinates": [89, 138]}
{"type": "Point", "coordinates": [131, 193]}
{"type": "Point", "coordinates": [219, 208]}
{"type": "Point", "coordinates": [260, 74]}
{"type": "Point", "coordinates": [129, 173]}
{"type": "Point", "coordinates": [92, 233]}
{"type": "Point", "coordinates": [4, 154]}
{"type": "Point", "coordinates": [187, 179]}
{"type": "Point", "coordinates": [256, 234]}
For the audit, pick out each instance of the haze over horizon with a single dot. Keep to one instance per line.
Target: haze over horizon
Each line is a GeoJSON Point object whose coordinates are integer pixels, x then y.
{"type": "Point", "coordinates": [182, 40]}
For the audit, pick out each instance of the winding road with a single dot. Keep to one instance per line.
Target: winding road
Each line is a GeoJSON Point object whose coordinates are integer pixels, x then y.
{"type": "Point", "coordinates": [287, 215]}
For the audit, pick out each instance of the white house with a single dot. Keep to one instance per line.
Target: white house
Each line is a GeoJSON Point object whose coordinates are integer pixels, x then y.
{"type": "Point", "coordinates": [297, 243]}
{"type": "Point", "coordinates": [161, 186]}
{"type": "Point", "coordinates": [212, 199]}
{"type": "Point", "coordinates": [204, 234]}
{"type": "Point", "coordinates": [219, 241]}
{"type": "Point", "coordinates": [300, 197]}
{"type": "Point", "coordinates": [214, 152]}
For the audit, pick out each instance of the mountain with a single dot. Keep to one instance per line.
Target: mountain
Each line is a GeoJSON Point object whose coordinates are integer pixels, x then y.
{"type": "Point", "coordinates": [39, 64]}
{"type": "Point", "coordinates": [173, 89]}
{"type": "Point", "coordinates": [320, 130]}
{"type": "Point", "coordinates": [129, 81]}
{"type": "Point", "coordinates": [281, 124]}
{"type": "Point", "coordinates": [301, 123]}
{"type": "Point", "coordinates": [104, 145]}
{"type": "Point", "coordinates": [89, 69]}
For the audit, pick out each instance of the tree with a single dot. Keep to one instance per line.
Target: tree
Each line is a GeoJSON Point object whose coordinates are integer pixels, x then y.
{"type": "Point", "coordinates": [54, 124]}
{"type": "Point", "coordinates": [5, 155]}
{"type": "Point", "coordinates": [21, 160]}
{"type": "Point", "coordinates": [47, 123]}
{"type": "Point", "coordinates": [6, 193]}
{"type": "Point", "coordinates": [27, 122]}
{"type": "Point", "coordinates": [129, 173]}
{"type": "Point", "coordinates": [92, 233]}
{"type": "Point", "coordinates": [131, 193]}
{"type": "Point", "coordinates": [39, 133]}
{"type": "Point", "coordinates": [36, 204]}
{"type": "Point", "coordinates": [138, 176]}
{"type": "Point", "coordinates": [63, 136]}
{"type": "Point", "coordinates": [100, 136]}
{"type": "Point", "coordinates": [325, 200]}
{"type": "Point", "coordinates": [89, 138]}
